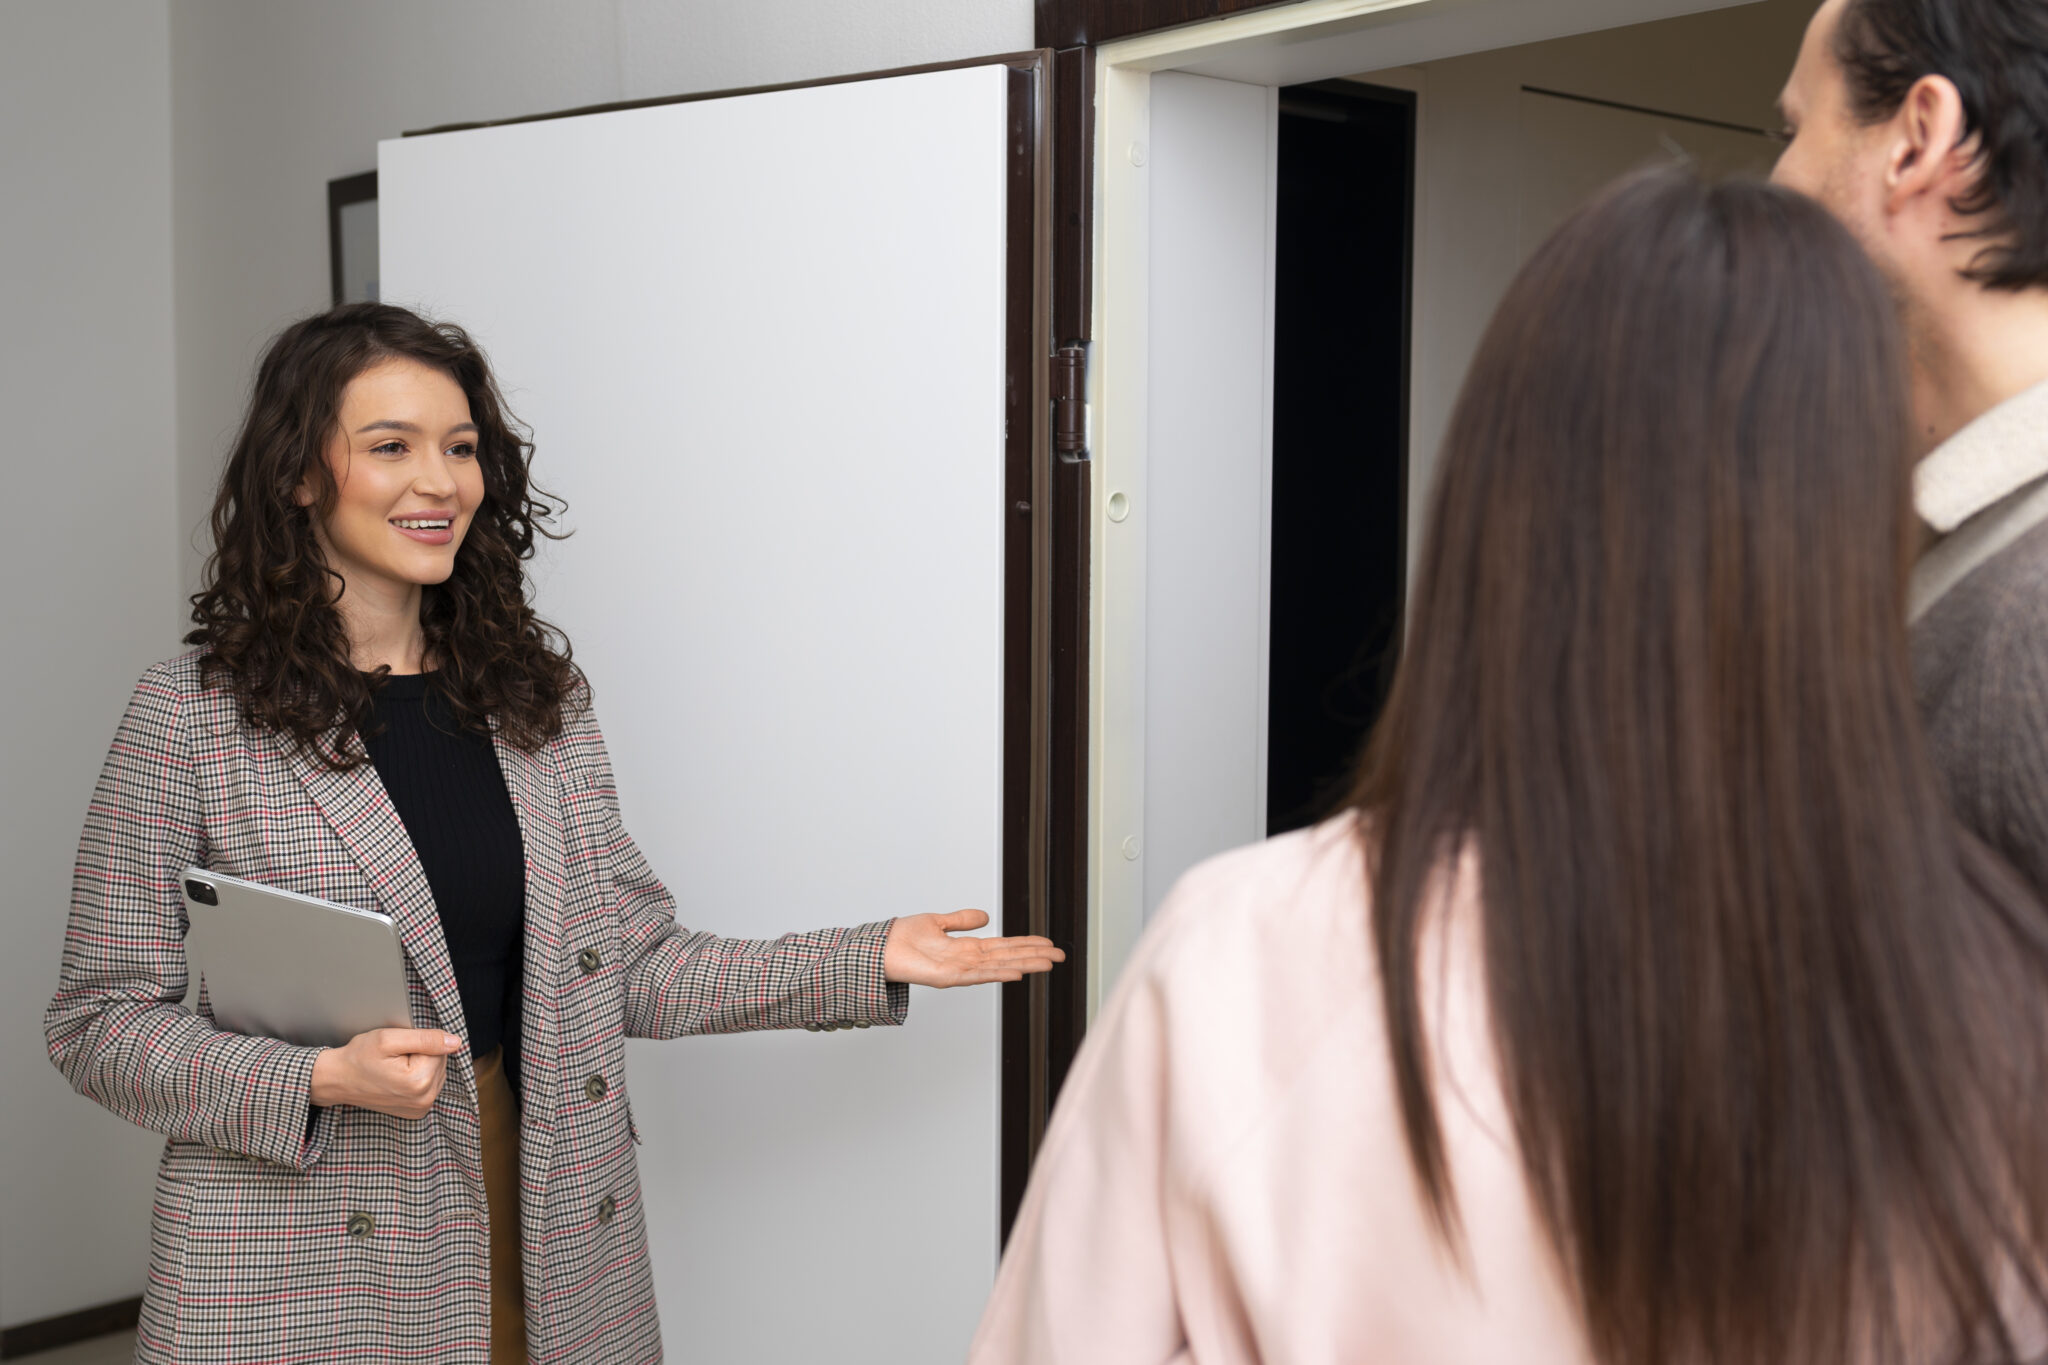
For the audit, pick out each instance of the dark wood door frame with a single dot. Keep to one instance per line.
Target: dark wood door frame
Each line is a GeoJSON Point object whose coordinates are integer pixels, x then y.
{"type": "Point", "coordinates": [1071, 29]}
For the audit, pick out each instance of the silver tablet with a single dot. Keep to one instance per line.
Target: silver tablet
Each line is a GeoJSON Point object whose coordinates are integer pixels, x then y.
{"type": "Point", "coordinates": [281, 965]}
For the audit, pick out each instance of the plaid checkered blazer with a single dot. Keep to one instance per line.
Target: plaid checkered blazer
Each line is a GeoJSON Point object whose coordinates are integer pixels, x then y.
{"type": "Point", "coordinates": [284, 1232]}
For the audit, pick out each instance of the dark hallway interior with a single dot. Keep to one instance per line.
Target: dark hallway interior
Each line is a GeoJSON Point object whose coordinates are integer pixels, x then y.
{"type": "Point", "coordinates": [1340, 433]}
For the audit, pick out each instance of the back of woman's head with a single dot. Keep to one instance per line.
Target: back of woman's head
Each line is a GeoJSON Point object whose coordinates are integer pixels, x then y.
{"type": "Point", "coordinates": [1770, 1033]}
{"type": "Point", "coordinates": [266, 610]}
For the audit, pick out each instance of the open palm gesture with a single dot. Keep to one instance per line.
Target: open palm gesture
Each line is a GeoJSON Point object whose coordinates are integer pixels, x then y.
{"type": "Point", "coordinates": [921, 950]}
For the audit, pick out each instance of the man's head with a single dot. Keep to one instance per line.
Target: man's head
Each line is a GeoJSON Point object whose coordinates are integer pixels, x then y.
{"type": "Point", "coordinates": [1923, 124]}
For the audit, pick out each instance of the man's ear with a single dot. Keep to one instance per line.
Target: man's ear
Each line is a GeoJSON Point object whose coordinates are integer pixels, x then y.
{"type": "Point", "coordinates": [1929, 152]}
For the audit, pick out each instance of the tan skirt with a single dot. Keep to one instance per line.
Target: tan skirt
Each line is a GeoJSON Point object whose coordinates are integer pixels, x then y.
{"type": "Point", "coordinates": [498, 1113]}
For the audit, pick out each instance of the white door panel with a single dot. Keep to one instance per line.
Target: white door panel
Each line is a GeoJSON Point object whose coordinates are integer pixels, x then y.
{"type": "Point", "coordinates": [760, 343]}
{"type": "Point", "coordinates": [1205, 519]}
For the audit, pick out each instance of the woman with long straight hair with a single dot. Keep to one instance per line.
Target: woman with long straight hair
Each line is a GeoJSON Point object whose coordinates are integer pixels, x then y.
{"type": "Point", "coordinates": [373, 714]}
{"type": "Point", "coordinates": [1646, 1005]}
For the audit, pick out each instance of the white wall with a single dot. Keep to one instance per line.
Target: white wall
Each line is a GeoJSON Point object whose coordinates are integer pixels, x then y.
{"type": "Point", "coordinates": [274, 98]}
{"type": "Point", "coordinates": [90, 564]}
{"type": "Point", "coordinates": [1727, 65]}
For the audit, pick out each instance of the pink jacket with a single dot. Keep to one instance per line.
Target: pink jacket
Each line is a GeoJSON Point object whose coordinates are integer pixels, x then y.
{"type": "Point", "coordinates": [1225, 1178]}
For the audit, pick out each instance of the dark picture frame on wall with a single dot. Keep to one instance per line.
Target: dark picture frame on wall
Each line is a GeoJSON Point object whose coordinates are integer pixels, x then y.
{"type": "Point", "coordinates": [352, 237]}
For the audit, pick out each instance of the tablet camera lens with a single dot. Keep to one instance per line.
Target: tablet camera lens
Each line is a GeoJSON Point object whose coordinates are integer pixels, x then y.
{"type": "Point", "coordinates": [200, 891]}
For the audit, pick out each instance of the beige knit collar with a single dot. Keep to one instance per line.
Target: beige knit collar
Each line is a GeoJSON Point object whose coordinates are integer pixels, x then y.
{"type": "Point", "coordinates": [2002, 451]}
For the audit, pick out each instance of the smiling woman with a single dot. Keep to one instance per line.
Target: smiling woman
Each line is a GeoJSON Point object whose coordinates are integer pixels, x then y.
{"type": "Point", "coordinates": [375, 715]}
{"type": "Point", "coordinates": [363, 416]}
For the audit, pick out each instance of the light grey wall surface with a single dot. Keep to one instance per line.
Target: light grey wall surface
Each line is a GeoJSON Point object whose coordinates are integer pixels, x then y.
{"type": "Point", "coordinates": [1726, 65]}
{"type": "Point", "coordinates": [273, 98]}
{"type": "Point", "coordinates": [90, 563]}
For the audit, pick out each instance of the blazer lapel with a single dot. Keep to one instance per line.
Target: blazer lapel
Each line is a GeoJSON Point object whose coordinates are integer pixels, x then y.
{"type": "Point", "coordinates": [357, 806]}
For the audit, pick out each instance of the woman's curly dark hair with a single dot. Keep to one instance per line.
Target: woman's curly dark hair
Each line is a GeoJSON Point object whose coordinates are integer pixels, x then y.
{"type": "Point", "coordinates": [266, 611]}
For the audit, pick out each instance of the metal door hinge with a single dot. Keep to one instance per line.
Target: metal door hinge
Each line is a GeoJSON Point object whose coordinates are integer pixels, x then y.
{"type": "Point", "coordinates": [1070, 403]}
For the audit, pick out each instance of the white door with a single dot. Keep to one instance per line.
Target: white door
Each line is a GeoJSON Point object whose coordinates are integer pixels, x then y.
{"type": "Point", "coordinates": [760, 343]}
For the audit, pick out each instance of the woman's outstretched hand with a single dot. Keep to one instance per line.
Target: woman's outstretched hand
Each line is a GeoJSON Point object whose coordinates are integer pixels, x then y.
{"type": "Point", "coordinates": [921, 950]}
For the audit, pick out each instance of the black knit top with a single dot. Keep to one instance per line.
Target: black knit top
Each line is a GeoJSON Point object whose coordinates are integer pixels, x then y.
{"type": "Point", "coordinates": [450, 793]}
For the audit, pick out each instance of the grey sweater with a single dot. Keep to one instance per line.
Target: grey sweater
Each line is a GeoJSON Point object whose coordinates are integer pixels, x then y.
{"type": "Point", "coordinates": [1980, 666]}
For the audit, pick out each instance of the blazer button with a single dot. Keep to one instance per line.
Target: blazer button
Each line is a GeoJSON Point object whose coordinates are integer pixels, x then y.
{"type": "Point", "coordinates": [607, 1209]}
{"type": "Point", "coordinates": [596, 1088]}
{"type": "Point", "coordinates": [814, 1026]}
{"type": "Point", "coordinates": [860, 1023]}
{"type": "Point", "coordinates": [361, 1225]}
{"type": "Point", "coordinates": [590, 960]}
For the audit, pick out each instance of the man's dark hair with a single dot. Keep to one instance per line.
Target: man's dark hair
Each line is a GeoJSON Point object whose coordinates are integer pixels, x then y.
{"type": "Point", "coordinates": [1996, 54]}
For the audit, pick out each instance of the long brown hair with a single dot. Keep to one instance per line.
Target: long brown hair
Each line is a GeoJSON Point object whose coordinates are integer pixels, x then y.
{"type": "Point", "coordinates": [1770, 1028]}
{"type": "Point", "coordinates": [266, 610]}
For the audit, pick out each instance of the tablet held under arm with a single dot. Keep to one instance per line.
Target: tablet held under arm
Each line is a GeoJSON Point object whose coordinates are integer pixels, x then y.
{"type": "Point", "coordinates": [280, 965]}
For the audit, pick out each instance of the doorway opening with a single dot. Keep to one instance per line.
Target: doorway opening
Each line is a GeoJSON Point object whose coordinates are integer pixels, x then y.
{"type": "Point", "coordinates": [1214, 719]}
{"type": "Point", "coordinates": [1342, 285]}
